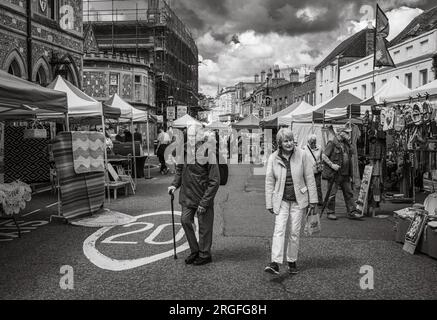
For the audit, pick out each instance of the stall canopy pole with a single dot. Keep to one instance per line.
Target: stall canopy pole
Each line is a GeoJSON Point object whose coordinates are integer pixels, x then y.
{"type": "Point", "coordinates": [67, 122]}
{"type": "Point", "coordinates": [148, 150]}
{"type": "Point", "coordinates": [133, 150]}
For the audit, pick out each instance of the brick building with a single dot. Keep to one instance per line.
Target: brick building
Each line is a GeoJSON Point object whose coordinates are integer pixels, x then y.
{"type": "Point", "coordinates": [306, 91]}
{"type": "Point", "coordinates": [40, 39]}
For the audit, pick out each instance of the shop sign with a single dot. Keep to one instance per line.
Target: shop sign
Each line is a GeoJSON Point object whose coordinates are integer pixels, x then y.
{"type": "Point", "coordinates": [150, 233]}
{"type": "Point", "coordinates": [364, 189]}
{"type": "Point", "coordinates": [415, 230]}
{"type": "Point", "coordinates": [170, 113]}
{"type": "Point", "coordinates": [182, 110]}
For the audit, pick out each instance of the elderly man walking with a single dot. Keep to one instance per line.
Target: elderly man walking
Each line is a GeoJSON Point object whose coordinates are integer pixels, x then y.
{"type": "Point", "coordinates": [199, 180]}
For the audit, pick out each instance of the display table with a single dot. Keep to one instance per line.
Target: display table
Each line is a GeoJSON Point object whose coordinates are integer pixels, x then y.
{"type": "Point", "coordinates": [428, 240]}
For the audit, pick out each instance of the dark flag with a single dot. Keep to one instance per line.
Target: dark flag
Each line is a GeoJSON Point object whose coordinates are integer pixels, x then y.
{"type": "Point", "coordinates": [381, 55]}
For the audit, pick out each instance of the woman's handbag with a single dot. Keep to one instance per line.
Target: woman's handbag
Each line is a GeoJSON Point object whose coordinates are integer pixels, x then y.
{"type": "Point", "coordinates": [312, 224]}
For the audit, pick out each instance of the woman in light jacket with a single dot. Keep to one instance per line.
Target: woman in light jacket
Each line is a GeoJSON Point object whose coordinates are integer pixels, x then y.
{"type": "Point", "coordinates": [290, 189]}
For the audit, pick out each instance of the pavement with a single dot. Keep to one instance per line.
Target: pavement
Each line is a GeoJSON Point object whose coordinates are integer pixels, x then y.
{"type": "Point", "coordinates": [136, 261]}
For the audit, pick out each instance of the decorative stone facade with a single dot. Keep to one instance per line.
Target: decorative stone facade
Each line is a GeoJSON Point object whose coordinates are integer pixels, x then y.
{"type": "Point", "coordinates": [57, 40]}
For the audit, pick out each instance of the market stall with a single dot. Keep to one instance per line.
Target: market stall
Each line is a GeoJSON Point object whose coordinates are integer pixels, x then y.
{"type": "Point", "coordinates": [130, 115]}
{"type": "Point", "coordinates": [283, 117]}
{"type": "Point", "coordinates": [22, 102]}
{"type": "Point", "coordinates": [402, 135]}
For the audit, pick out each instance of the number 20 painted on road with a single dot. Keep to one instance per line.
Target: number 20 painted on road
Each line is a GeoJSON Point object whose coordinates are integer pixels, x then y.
{"type": "Point", "coordinates": [102, 261]}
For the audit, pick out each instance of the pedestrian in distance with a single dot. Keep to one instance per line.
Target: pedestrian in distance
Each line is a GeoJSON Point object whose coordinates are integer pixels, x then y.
{"type": "Point", "coordinates": [338, 170]}
{"type": "Point", "coordinates": [290, 189]}
{"type": "Point", "coordinates": [199, 181]}
{"type": "Point", "coordinates": [314, 151]}
{"type": "Point", "coordinates": [163, 142]}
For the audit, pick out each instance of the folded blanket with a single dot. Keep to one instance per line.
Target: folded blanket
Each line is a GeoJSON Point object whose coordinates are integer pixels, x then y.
{"type": "Point", "coordinates": [88, 151]}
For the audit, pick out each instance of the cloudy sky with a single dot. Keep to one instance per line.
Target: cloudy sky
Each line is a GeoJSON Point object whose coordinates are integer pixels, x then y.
{"type": "Point", "coordinates": [238, 38]}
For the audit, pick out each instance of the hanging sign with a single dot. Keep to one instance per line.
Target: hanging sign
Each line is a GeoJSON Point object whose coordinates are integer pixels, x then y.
{"type": "Point", "coordinates": [364, 189]}
{"type": "Point", "coordinates": [182, 110]}
{"type": "Point", "coordinates": [170, 113]}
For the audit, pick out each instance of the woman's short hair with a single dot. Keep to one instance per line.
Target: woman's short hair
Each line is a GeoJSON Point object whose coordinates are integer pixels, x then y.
{"type": "Point", "coordinates": [282, 134]}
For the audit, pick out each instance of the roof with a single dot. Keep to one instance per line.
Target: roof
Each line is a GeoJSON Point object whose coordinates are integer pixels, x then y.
{"type": "Point", "coordinates": [424, 22]}
{"type": "Point", "coordinates": [394, 85]}
{"type": "Point", "coordinates": [354, 46]}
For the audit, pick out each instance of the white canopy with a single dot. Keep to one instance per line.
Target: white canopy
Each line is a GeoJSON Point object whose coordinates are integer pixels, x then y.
{"type": "Point", "coordinates": [430, 88]}
{"type": "Point", "coordinates": [186, 121]}
{"type": "Point", "coordinates": [79, 103]}
{"type": "Point", "coordinates": [284, 117]}
{"type": "Point", "coordinates": [127, 112]}
{"type": "Point", "coordinates": [393, 87]}
{"type": "Point", "coordinates": [303, 113]}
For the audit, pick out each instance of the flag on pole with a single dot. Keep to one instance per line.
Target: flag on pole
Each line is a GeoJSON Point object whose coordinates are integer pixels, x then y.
{"type": "Point", "coordinates": [381, 55]}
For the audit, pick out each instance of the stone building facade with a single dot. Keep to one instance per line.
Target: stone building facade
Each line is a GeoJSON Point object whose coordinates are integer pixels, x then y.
{"type": "Point", "coordinates": [40, 39]}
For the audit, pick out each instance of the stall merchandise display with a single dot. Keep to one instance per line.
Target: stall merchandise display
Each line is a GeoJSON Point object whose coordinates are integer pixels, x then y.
{"type": "Point", "coordinates": [13, 197]}
{"type": "Point", "coordinates": [82, 193]}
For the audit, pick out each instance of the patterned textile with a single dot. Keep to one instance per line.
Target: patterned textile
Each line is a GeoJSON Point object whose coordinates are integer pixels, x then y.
{"type": "Point", "coordinates": [88, 150]}
{"type": "Point", "coordinates": [26, 160]}
{"type": "Point", "coordinates": [13, 196]}
{"type": "Point", "coordinates": [82, 193]}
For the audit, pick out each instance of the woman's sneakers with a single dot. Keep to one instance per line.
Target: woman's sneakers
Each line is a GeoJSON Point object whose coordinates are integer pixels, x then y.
{"type": "Point", "coordinates": [292, 268]}
{"type": "Point", "coordinates": [272, 268]}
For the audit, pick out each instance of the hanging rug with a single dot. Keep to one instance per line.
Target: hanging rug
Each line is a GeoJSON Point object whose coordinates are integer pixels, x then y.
{"type": "Point", "coordinates": [105, 218]}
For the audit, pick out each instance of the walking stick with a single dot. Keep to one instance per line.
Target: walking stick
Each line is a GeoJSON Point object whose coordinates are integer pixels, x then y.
{"type": "Point", "coordinates": [172, 221]}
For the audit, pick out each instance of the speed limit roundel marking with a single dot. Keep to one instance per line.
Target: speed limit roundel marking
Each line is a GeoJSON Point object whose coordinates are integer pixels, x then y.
{"type": "Point", "coordinates": [104, 262]}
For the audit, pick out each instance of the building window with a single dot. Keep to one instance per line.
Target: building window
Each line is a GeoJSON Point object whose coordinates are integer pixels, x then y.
{"type": "Point", "coordinates": [396, 52]}
{"type": "Point", "coordinates": [332, 93]}
{"type": "Point", "coordinates": [408, 80]}
{"type": "Point", "coordinates": [383, 81]}
{"type": "Point", "coordinates": [332, 72]}
{"type": "Point", "coordinates": [372, 85]}
{"type": "Point", "coordinates": [41, 77]}
{"type": "Point", "coordinates": [308, 98]}
{"type": "Point", "coordinates": [357, 67]}
{"type": "Point", "coordinates": [424, 45]}
{"type": "Point", "coordinates": [354, 90]}
{"type": "Point", "coordinates": [113, 83]}
{"type": "Point", "coordinates": [51, 9]}
{"type": "Point", "coordinates": [321, 97]}
{"type": "Point", "coordinates": [363, 91]}
{"type": "Point", "coordinates": [137, 83]}
{"type": "Point", "coordinates": [366, 64]}
{"type": "Point", "coordinates": [348, 70]}
{"type": "Point", "coordinates": [321, 75]}
{"type": "Point", "coordinates": [286, 101]}
{"type": "Point", "coordinates": [423, 76]}
{"type": "Point", "coordinates": [313, 99]}
{"type": "Point", "coordinates": [409, 51]}
{"type": "Point", "coordinates": [14, 68]}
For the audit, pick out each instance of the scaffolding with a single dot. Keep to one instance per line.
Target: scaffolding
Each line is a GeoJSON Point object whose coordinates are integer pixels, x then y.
{"type": "Point", "coordinates": [150, 30]}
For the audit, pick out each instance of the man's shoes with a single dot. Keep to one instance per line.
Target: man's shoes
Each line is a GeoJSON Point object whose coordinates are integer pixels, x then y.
{"type": "Point", "coordinates": [201, 261]}
{"type": "Point", "coordinates": [190, 259]}
{"type": "Point", "coordinates": [292, 268]}
{"type": "Point", "coordinates": [272, 268]}
{"type": "Point", "coordinates": [332, 216]}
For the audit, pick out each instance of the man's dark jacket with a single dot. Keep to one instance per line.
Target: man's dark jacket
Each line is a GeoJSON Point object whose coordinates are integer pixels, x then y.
{"type": "Point", "coordinates": [199, 184]}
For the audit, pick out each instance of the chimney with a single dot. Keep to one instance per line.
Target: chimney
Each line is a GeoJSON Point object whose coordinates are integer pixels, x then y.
{"type": "Point", "coordinates": [294, 76]}
{"type": "Point", "coordinates": [270, 74]}
{"type": "Point", "coordinates": [277, 71]}
{"type": "Point", "coordinates": [263, 76]}
{"type": "Point", "coordinates": [256, 77]}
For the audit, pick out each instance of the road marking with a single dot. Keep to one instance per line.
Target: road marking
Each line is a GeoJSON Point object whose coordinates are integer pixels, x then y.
{"type": "Point", "coordinates": [104, 262]}
{"type": "Point", "coordinates": [28, 214]}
